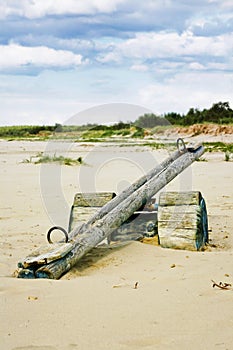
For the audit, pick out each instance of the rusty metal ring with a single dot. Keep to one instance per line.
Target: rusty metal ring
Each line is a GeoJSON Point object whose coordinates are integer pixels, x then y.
{"type": "Point", "coordinates": [181, 145]}
{"type": "Point", "coordinates": [57, 228]}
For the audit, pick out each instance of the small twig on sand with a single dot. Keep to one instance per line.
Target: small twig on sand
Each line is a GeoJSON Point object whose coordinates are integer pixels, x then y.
{"type": "Point", "coordinates": [221, 285]}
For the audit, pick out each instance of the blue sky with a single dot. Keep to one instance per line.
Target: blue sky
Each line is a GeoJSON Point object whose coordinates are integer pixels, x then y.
{"type": "Point", "coordinates": [59, 58]}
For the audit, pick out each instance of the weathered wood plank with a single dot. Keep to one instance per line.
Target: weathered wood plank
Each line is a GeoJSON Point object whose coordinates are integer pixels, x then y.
{"type": "Point", "coordinates": [92, 199]}
{"type": "Point", "coordinates": [80, 215]}
{"type": "Point", "coordinates": [176, 232]}
{"type": "Point", "coordinates": [188, 223]}
{"type": "Point", "coordinates": [171, 219]}
{"type": "Point", "coordinates": [180, 220]}
{"type": "Point", "coordinates": [46, 254]}
{"type": "Point", "coordinates": [86, 206]}
{"type": "Point", "coordinates": [175, 242]}
{"type": "Point", "coordinates": [179, 198]}
{"type": "Point", "coordinates": [178, 209]}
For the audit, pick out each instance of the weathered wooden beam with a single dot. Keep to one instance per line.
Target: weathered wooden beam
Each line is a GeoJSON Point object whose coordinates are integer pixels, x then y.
{"type": "Point", "coordinates": [126, 193]}
{"type": "Point", "coordinates": [119, 214]}
{"type": "Point", "coordinates": [46, 254]}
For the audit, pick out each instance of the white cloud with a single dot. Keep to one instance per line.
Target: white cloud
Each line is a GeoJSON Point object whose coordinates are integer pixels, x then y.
{"type": "Point", "coordinates": [139, 67]}
{"type": "Point", "coordinates": [196, 66]}
{"type": "Point", "coordinates": [187, 90]}
{"type": "Point", "coordinates": [170, 44]}
{"type": "Point", "coordinates": [165, 54]}
{"type": "Point", "coordinates": [222, 3]}
{"type": "Point", "coordinates": [211, 24]}
{"type": "Point", "coordinates": [14, 56]}
{"type": "Point", "coordinates": [39, 8]}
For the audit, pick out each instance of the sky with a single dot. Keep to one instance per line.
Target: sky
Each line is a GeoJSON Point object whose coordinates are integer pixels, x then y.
{"type": "Point", "coordinates": [61, 59]}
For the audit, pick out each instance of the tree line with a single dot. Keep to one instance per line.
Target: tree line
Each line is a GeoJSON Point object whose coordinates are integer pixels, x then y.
{"type": "Point", "coordinates": [219, 113]}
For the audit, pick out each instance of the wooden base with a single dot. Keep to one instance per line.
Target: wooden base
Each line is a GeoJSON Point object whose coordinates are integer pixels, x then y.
{"type": "Point", "coordinates": [182, 220]}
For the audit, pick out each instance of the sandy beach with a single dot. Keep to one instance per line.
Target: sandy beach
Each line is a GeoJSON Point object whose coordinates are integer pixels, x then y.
{"type": "Point", "coordinates": [96, 305]}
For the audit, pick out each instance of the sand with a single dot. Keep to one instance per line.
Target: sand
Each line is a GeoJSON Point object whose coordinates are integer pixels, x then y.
{"type": "Point", "coordinates": [96, 304]}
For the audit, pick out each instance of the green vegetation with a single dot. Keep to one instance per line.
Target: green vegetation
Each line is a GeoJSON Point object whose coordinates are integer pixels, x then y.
{"type": "Point", "coordinates": [146, 125]}
{"type": "Point", "coordinates": [227, 156]}
{"type": "Point", "coordinates": [150, 121]}
{"type": "Point", "coordinates": [226, 148]}
{"type": "Point", "coordinates": [20, 131]}
{"type": "Point", "coordinates": [60, 160]}
{"type": "Point", "coordinates": [218, 147]}
{"type": "Point", "coordinates": [219, 113]}
{"type": "Point", "coordinates": [84, 132]}
{"type": "Point", "coordinates": [103, 131]}
{"type": "Point", "coordinates": [157, 145]}
{"type": "Point", "coordinates": [138, 133]}
{"type": "Point", "coordinates": [40, 158]}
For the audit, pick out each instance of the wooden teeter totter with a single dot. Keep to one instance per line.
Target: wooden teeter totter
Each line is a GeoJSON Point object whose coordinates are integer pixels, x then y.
{"type": "Point", "coordinates": [179, 218]}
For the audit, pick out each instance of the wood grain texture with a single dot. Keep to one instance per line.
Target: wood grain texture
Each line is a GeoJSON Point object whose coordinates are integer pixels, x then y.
{"type": "Point", "coordinates": [179, 198]}
{"type": "Point", "coordinates": [180, 220]}
{"type": "Point", "coordinates": [46, 254]}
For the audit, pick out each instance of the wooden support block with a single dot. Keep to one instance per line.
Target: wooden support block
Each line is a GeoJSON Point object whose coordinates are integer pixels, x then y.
{"type": "Point", "coordinates": [86, 206]}
{"type": "Point", "coordinates": [178, 242]}
{"type": "Point", "coordinates": [171, 218]}
{"type": "Point", "coordinates": [182, 220]}
{"type": "Point", "coordinates": [179, 198]}
{"type": "Point", "coordinates": [80, 215]}
{"type": "Point", "coordinates": [95, 199]}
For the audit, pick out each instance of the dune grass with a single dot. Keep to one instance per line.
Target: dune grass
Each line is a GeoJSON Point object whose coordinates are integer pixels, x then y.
{"type": "Point", "coordinates": [40, 158]}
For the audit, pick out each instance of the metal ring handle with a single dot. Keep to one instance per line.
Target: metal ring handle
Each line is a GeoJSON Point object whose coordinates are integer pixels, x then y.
{"type": "Point", "coordinates": [181, 145]}
{"type": "Point", "coordinates": [57, 228]}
